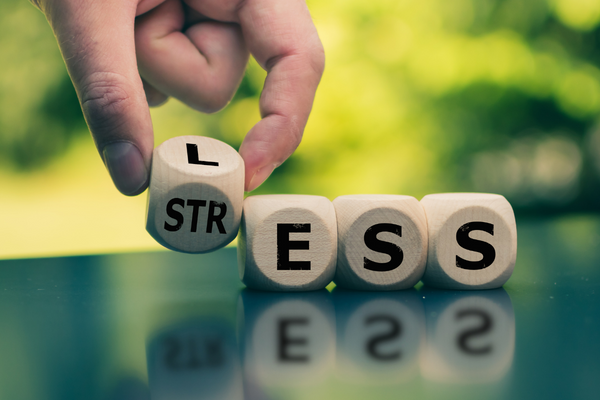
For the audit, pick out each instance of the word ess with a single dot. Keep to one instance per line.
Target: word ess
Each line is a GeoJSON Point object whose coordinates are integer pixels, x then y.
{"type": "Point", "coordinates": [456, 241]}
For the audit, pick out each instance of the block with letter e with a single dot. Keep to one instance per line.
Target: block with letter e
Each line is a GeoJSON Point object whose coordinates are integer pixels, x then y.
{"type": "Point", "coordinates": [196, 194]}
{"type": "Point", "coordinates": [287, 242]}
{"type": "Point", "coordinates": [472, 240]}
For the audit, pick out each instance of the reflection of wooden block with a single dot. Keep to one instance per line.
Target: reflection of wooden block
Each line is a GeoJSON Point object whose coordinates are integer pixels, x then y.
{"type": "Point", "coordinates": [382, 242]}
{"type": "Point", "coordinates": [470, 336]}
{"type": "Point", "coordinates": [287, 242]}
{"type": "Point", "coordinates": [472, 240]}
{"type": "Point", "coordinates": [196, 194]}
{"type": "Point", "coordinates": [288, 339]}
{"type": "Point", "coordinates": [195, 360]}
{"type": "Point", "coordinates": [379, 336]}
{"type": "Point", "coordinates": [130, 388]}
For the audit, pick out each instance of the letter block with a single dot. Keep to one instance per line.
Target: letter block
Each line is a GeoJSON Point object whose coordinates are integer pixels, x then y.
{"type": "Point", "coordinates": [287, 242]}
{"type": "Point", "coordinates": [472, 240]}
{"type": "Point", "coordinates": [196, 194]}
{"type": "Point", "coordinates": [382, 242]}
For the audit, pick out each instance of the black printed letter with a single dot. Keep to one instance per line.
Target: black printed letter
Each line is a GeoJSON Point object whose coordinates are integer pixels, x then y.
{"type": "Point", "coordinates": [466, 242]}
{"type": "Point", "coordinates": [196, 204]}
{"type": "Point", "coordinates": [284, 245]}
{"type": "Point", "coordinates": [395, 252]}
{"type": "Point", "coordinates": [218, 219]}
{"type": "Point", "coordinates": [176, 215]}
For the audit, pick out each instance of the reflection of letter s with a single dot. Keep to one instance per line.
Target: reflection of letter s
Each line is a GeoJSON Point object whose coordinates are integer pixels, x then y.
{"type": "Point", "coordinates": [485, 327]}
{"type": "Point", "coordinates": [466, 242]}
{"type": "Point", "coordinates": [394, 333]}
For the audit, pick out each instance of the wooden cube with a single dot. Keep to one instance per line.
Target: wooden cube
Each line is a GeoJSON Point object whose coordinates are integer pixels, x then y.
{"type": "Point", "coordinates": [472, 240]}
{"type": "Point", "coordinates": [470, 337]}
{"type": "Point", "coordinates": [197, 359]}
{"type": "Point", "coordinates": [287, 242]}
{"type": "Point", "coordinates": [288, 339]}
{"type": "Point", "coordinates": [196, 194]}
{"type": "Point", "coordinates": [382, 242]}
{"type": "Point", "coordinates": [379, 336]}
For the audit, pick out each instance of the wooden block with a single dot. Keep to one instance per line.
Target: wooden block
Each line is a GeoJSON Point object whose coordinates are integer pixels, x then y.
{"type": "Point", "coordinates": [379, 336]}
{"type": "Point", "coordinates": [472, 240]}
{"type": "Point", "coordinates": [288, 339]}
{"type": "Point", "coordinates": [196, 194]}
{"type": "Point", "coordinates": [470, 336]}
{"type": "Point", "coordinates": [382, 242]}
{"type": "Point", "coordinates": [287, 242]}
{"type": "Point", "coordinates": [197, 359]}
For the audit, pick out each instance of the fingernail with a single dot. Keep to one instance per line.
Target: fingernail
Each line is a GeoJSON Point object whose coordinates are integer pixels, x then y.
{"type": "Point", "coordinates": [126, 167]}
{"type": "Point", "coordinates": [260, 176]}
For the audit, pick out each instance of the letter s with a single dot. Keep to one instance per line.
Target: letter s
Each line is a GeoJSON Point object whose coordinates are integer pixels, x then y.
{"type": "Point", "coordinates": [466, 242]}
{"type": "Point", "coordinates": [176, 215]}
{"type": "Point", "coordinates": [395, 252]}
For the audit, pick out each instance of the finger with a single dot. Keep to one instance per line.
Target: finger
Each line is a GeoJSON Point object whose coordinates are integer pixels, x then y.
{"type": "Point", "coordinates": [284, 41]}
{"type": "Point", "coordinates": [202, 66]}
{"type": "Point", "coordinates": [97, 42]}
{"type": "Point", "coordinates": [154, 97]}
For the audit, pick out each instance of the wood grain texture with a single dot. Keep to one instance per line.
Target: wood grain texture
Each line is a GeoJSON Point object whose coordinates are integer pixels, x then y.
{"type": "Point", "coordinates": [306, 227]}
{"type": "Point", "coordinates": [472, 240]}
{"type": "Point", "coordinates": [195, 206]}
{"type": "Point", "coordinates": [382, 242]}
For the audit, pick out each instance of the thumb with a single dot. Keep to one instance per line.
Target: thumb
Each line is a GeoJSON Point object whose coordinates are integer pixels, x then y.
{"type": "Point", "coordinates": [96, 39]}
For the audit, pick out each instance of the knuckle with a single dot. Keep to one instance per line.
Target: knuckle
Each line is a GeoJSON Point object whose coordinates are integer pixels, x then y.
{"type": "Point", "coordinates": [238, 5]}
{"type": "Point", "coordinates": [293, 128]}
{"type": "Point", "coordinates": [296, 130]}
{"type": "Point", "coordinates": [316, 59]}
{"type": "Point", "coordinates": [105, 100]}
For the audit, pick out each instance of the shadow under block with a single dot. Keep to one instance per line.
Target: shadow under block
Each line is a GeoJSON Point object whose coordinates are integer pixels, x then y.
{"type": "Point", "coordinates": [472, 240]}
{"type": "Point", "coordinates": [287, 242]}
{"type": "Point", "coordinates": [382, 242]}
{"type": "Point", "coordinates": [196, 194]}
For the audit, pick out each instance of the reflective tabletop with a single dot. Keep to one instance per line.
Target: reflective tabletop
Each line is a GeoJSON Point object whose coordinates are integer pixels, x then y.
{"type": "Point", "coordinates": [173, 326]}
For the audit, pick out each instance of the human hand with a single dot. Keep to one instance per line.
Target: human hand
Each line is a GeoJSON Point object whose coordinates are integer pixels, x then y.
{"type": "Point", "coordinates": [202, 66]}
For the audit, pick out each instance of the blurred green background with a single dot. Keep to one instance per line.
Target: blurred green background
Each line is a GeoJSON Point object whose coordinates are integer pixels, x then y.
{"type": "Point", "coordinates": [417, 97]}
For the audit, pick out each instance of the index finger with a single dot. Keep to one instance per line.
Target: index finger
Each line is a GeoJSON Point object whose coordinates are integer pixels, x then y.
{"type": "Point", "coordinates": [284, 41]}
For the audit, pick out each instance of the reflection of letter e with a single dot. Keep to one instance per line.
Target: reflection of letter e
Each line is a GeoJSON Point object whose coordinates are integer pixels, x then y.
{"type": "Point", "coordinates": [287, 338]}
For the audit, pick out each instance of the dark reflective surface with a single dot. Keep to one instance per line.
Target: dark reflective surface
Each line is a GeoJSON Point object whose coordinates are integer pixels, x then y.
{"type": "Point", "coordinates": [174, 326]}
